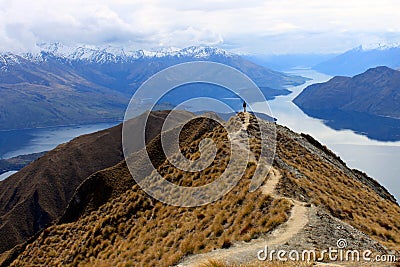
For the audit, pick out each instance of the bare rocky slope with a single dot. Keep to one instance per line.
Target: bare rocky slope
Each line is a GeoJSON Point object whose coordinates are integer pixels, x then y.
{"type": "Point", "coordinates": [122, 226]}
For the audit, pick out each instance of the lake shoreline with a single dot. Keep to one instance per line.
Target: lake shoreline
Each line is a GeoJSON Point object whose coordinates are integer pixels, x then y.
{"type": "Point", "coordinates": [376, 158]}
{"type": "Point", "coordinates": [14, 143]}
{"type": "Point", "coordinates": [7, 174]}
{"type": "Point", "coordinates": [63, 125]}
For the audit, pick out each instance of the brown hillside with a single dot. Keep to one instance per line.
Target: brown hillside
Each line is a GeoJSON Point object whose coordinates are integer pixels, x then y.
{"type": "Point", "coordinates": [110, 183]}
{"type": "Point", "coordinates": [376, 92]}
{"type": "Point", "coordinates": [38, 195]}
{"type": "Point", "coordinates": [136, 230]}
{"type": "Point", "coordinates": [320, 177]}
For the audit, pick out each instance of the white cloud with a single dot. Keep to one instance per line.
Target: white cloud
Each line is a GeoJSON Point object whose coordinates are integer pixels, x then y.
{"type": "Point", "coordinates": [271, 26]}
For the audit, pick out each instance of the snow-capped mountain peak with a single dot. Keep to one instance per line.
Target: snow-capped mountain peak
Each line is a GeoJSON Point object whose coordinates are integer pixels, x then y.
{"type": "Point", "coordinates": [379, 46]}
{"type": "Point", "coordinates": [7, 60]}
{"type": "Point", "coordinates": [203, 52]}
{"type": "Point", "coordinates": [117, 54]}
{"type": "Point", "coordinates": [107, 54]}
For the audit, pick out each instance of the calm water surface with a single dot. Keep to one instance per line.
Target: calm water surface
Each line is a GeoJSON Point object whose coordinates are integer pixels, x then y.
{"type": "Point", "coordinates": [21, 142]}
{"type": "Point", "coordinates": [379, 160]}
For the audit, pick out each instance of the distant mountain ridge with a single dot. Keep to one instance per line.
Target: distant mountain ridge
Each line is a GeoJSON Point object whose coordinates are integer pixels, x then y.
{"type": "Point", "coordinates": [109, 54]}
{"type": "Point", "coordinates": [368, 103]}
{"type": "Point", "coordinates": [116, 63]}
{"type": "Point", "coordinates": [287, 62]}
{"type": "Point", "coordinates": [376, 92]}
{"type": "Point", "coordinates": [360, 59]}
{"type": "Point", "coordinates": [62, 85]}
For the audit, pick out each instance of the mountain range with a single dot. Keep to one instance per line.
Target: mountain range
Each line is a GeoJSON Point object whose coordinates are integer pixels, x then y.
{"type": "Point", "coordinates": [368, 103]}
{"type": "Point", "coordinates": [96, 215]}
{"type": "Point", "coordinates": [287, 62]}
{"type": "Point", "coordinates": [62, 85]}
{"type": "Point", "coordinates": [359, 59]}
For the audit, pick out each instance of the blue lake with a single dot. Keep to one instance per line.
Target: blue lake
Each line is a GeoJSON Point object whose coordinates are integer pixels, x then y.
{"type": "Point", "coordinates": [378, 159]}
{"type": "Point", "coordinates": [21, 142]}
{"type": "Point", "coordinates": [6, 175]}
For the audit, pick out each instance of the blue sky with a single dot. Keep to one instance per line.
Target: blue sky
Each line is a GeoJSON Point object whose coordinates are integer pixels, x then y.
{"type": "Point", "coordinates": [252, 26]}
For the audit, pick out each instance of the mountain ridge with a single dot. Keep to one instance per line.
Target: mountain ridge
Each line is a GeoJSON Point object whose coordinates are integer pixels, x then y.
{"type": "Point", "coordinates": [89, 85]}
{"type": "Point", "coordinates": [367, 103]}
{"type": "Point", "coordinates": [40, 192]}
{"type": "Point", "coordinates": [360, 59]}
{"type": "Point", "coordinates": [108, 54]}
{"type": "Point", "coordinates": [376, 92]}
{"type": "Point", "coordinates": [129, 226]}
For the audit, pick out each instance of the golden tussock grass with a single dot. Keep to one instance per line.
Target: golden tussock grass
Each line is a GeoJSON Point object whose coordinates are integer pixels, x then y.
{"type": "Point", "coordinates": [342, 195]}
{"type": "Point", "coordinates": [135, 230]}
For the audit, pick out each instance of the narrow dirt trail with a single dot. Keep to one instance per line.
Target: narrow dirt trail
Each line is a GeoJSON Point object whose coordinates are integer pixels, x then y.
{"type": "Point", "coordinates": [296, 222]}
{"type": "Point", "coordinates": [240, 139]}
{"type": "Point", "coordinates": [269, 187]}
{"type": "Point", "coordinates": [246, 120]}
{"type": "Point", "coordinates": [247, 252]}
{"type": "Point", "coordinates": [298, 217]}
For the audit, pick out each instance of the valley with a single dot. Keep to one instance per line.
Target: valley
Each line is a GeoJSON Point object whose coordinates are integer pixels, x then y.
{"type": "Point", "coordinates": [79, 85]}
{"type": "Point", "coordinates": [94, 186]}
{"type": "Point", "coordinates": [199, 133]}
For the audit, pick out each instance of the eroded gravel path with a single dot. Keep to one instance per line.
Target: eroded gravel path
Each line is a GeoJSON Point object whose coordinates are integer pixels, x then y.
{"type": "Point", "coordinates": [243, 252]}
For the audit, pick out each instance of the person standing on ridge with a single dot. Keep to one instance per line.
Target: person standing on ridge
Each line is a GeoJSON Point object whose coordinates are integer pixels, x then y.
{"type": "Point", "coordinates": [244, 106]}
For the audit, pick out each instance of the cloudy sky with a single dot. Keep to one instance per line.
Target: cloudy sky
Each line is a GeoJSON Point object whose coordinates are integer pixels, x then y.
{"type": "Point", "coordinates": [251, 26]}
